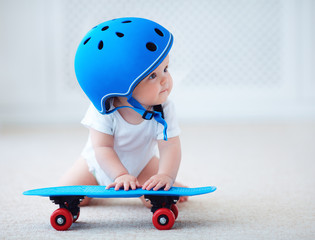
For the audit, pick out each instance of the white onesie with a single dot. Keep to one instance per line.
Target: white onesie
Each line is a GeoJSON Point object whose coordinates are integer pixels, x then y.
{"type": "Point", "coordinates": [135, 145]}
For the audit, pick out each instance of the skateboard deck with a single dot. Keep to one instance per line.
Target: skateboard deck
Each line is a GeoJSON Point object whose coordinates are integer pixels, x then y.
{"type": "Point", "coordinates": [68, 198]}
{"type": "Point", "coordinates": [101, 192]}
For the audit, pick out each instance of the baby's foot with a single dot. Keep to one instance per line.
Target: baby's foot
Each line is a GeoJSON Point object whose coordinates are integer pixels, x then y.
{"type": "Point", "coordinates": [146, 203]}
{"type": "Point", "coordinates": [85, 202]}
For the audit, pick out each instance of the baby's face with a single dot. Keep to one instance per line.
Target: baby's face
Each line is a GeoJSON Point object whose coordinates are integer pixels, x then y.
{"type": "Point", "coordinates": [154, 89]}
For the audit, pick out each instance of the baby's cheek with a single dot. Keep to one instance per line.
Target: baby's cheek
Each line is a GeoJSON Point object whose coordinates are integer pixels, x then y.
{"type": "Point", "coordinates": [152, 94]}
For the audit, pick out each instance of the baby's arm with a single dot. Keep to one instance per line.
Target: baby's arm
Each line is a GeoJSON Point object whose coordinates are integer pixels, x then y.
{"type": "Point", "coordinates": [170, 157]}
{"type": "Point", "coordinates": [108, 160]}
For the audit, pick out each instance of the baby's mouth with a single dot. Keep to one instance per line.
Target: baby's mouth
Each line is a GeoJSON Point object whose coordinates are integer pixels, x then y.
{"type": "Point", "coordinates": [163, 91]}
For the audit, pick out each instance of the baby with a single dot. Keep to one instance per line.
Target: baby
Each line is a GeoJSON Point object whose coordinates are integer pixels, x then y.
{"type": "Point", "coordinates": [122, 66]}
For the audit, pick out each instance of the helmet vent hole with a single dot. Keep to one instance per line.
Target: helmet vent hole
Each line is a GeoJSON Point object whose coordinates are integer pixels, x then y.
{"type": "Point", "coordinates": [86, 41]}
{"type": "Point", "coordinates": [100, 45]}
{"type": "Point", "coordinates": [159, 32]}
{"type": "Point", "coordinates": [105, 28]}
{"type": "Point", "coordinates": [120, 34]}
{"type": "Point", "coordinates": [127, 21]}
{"type": "Point", "coordinates": [151, 46]}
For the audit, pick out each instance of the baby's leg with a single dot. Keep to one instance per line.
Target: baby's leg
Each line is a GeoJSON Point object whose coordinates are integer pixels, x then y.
{"type": "Point", "coordinates": [149, 170]}
{"type": "Point", "coordinates": [78, 174]}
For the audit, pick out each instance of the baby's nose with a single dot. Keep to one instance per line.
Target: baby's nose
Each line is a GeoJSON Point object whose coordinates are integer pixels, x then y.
{"type": "Point", "coordinates": [163, 80]}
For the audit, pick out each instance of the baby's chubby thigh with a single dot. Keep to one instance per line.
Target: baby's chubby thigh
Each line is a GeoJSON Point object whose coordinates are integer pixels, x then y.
{"type": "Point", "coordinates": [78, 174]}
{"type": "Point", "coordinates": [148, 171]}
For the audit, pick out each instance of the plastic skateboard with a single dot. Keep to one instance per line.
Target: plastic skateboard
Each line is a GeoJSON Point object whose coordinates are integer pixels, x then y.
{"type": "Point", "coordinates": [68, 198]}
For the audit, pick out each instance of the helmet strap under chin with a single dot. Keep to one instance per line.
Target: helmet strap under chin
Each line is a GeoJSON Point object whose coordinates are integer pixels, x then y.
{"type": "Point", "coordinates": [148, 115]}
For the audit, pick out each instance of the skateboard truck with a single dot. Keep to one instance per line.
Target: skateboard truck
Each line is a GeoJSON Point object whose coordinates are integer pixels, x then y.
{"type": "Point", "coordinates": [161, 201]}
{"type": "Point", "coordinates": [164, 210]}
{"type": "Point", "coordinates": [68, 212]}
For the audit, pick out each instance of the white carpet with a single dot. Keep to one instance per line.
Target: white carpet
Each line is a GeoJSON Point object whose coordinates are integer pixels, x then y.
{"type": "Point", "coordinates": [265, 176]}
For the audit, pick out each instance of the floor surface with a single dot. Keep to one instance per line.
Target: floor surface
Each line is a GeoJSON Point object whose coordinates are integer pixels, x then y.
{"type": "Point", "coordinates": [265, 175]}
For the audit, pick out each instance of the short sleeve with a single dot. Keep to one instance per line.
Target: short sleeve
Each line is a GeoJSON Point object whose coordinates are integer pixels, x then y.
{"type": "Point", "coordinates": [173, 129]}
{"type": "Point", "coordinates": [94, 119]}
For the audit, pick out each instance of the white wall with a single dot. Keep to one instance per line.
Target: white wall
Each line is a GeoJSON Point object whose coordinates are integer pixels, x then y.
{"type": "Point", "coordinates": [231, 60]}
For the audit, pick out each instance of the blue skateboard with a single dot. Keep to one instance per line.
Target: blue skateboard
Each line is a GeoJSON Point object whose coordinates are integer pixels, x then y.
{"type": "Point", "coordinates": [69, 197]}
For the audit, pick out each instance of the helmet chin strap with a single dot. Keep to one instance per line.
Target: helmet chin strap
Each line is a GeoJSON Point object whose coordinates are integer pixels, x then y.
{"type": "Point", "coordinates": [148, 115]}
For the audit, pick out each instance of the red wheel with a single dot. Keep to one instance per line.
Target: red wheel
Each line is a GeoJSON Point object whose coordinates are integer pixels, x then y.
{"type": "Point", "coordinates": [163, 219]}
{"type": "Point", "coordinates": [76, 217]}
{"type": "Point", "coordinates": [61, 219]}
{"type": "Point", "coordinates": [174, 209]}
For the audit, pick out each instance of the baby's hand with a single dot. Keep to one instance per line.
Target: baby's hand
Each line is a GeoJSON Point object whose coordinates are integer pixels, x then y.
{"type": "Point", "coordinates": [125, 181]}
{"type": "Point", "coordinates": [158, 181]}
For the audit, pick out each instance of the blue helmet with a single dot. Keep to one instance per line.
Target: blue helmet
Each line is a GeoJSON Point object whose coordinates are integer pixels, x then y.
{"type": "Point", "coordinates": [116, 55]}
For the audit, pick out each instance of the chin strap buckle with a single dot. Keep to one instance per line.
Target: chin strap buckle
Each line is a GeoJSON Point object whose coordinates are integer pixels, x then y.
{"type": "Point", "coordinates": [148, 115]}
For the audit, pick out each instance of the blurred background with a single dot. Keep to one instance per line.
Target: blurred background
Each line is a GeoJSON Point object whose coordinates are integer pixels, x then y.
{"type": "Point", "coordinates": [232, 61]}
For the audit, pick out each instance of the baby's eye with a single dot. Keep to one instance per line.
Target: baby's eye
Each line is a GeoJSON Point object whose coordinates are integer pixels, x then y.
{"type": "Point", "coordinates": [152, 76]}
{"type": "Point", "coordinates": [166, 69]}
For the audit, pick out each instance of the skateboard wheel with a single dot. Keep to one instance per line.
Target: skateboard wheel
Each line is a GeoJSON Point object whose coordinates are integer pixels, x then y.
{"type": "Point", "coordinates": [61, 219]}
{"type": "Point", "coordinates": [163, 219]}
{"type": "Point", "coordinates": [174, 209]}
